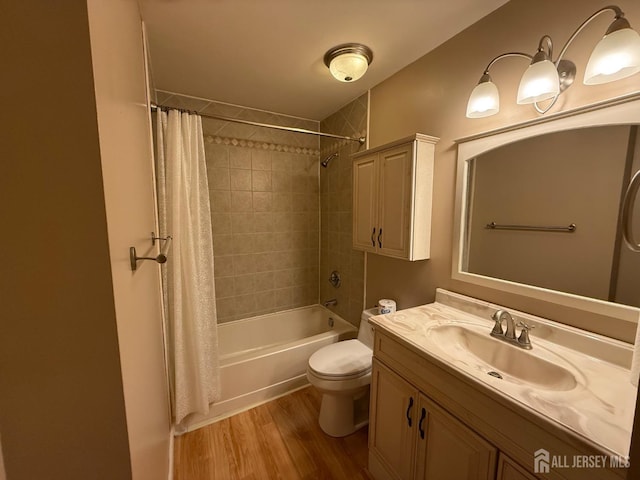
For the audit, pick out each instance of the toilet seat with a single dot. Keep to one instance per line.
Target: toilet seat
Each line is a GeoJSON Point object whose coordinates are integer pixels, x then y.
{"type": "Point", "coordinates": [341, 361]}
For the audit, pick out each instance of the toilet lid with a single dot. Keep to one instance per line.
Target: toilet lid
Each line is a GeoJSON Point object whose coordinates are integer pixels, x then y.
{"type": "Point", "coordinates": [341, 359]}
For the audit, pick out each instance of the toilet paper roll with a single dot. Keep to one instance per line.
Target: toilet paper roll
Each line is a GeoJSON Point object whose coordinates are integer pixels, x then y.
{"type": "Point", "coordinates": [386, 305]}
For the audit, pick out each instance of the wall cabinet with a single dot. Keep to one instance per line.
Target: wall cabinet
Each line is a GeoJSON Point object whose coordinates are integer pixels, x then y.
{"type": "Point", "coordinates": [392, 194]}
{"type": "Point", "coordinates": [412, 438]}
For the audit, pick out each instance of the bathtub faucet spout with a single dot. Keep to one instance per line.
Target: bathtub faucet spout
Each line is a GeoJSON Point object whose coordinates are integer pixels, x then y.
{"type": "Point", "coordinates": [331, 303]}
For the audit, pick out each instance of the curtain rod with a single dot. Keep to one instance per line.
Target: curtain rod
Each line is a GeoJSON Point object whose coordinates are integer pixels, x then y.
{"type": "Point", "coordinates": [360, 140]}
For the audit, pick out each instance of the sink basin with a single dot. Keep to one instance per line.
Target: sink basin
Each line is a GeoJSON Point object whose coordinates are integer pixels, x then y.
{"type": "Point", "coordinates": [499, 359]}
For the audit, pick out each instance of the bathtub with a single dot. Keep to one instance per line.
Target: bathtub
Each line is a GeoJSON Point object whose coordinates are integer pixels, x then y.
{"type": "Point", "coordinates": [266, 356]}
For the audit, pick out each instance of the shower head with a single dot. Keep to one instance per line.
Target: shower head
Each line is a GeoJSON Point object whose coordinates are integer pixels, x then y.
{"type": "Point", "coordinates": [326, 161]}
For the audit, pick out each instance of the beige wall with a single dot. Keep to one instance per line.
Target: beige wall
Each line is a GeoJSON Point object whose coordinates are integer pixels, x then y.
{"type": "Point", "coordinates": [557, 179]}
{"type": "Point", "coordinates": [263, 186]}
{"type": "Point", "coordinates": [430, 96]}
{"type": "Point", "coordinates": [336, 187]}
{"type": "Point", "coordinates": [62, 411]}
{"type": "Point", "coordinates": [125, 148]}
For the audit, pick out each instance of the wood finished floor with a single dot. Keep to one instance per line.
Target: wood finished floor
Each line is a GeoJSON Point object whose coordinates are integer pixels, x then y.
{"type": "Point", "coordinates": [277, 440]}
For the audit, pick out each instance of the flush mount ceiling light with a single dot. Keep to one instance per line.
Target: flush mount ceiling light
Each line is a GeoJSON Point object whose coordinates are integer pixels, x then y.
{"type": "Point", "coordinates": [348, 62]}
{"type": "Point", "coordinates": [616, 56]}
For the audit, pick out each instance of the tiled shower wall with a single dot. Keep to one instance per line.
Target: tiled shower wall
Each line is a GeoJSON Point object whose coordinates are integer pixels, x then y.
{"type": "Point", "coordinates": [336, 252]}
{"type": "Point", "coordinates": [265, 209]}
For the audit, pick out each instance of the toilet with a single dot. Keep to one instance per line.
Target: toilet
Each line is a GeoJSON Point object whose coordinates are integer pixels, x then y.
{"type": "Point", "coordinates": [342, 374]}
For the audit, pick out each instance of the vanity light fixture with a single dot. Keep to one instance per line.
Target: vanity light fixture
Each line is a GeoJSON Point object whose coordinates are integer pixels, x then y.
{"type": "Point", "coordinates": [348, 62]}
{"type": "Point", "coordinates": [616, 56]}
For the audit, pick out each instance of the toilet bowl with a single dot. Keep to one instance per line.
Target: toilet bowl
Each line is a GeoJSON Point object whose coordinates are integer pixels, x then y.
{"type": "Point", "coordinates": [342, 374]}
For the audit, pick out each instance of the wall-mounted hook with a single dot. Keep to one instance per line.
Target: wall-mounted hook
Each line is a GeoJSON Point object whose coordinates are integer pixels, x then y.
{"type": "Point", "coordinates": [161, 258]}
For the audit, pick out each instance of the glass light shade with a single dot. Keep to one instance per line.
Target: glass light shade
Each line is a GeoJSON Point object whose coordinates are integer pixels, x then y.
{"type": "Point", "coordinates": [484, 100]}
{"type": "Point", "coordinates": [348, 67]}
{"type": "Point", "coordinates": [539, 82]}
{"type": "Point", "coordinates": [616, 56]}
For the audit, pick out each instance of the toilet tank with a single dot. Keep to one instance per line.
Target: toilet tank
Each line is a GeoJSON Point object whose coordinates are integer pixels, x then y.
{"type": "Point", "coordinates": [365, 333]}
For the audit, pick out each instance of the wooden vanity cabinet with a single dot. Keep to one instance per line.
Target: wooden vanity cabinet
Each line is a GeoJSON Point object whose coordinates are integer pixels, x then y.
{"type": "Point", "coordinates": [412, 438]}
{"type": "Point", "coordinates": [392, 192]}
{"type": "Point", "coordinates": [428, 423]}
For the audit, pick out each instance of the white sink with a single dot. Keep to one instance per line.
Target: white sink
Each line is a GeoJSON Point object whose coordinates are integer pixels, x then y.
{"type": "Point", "coordinates": [477, 349]}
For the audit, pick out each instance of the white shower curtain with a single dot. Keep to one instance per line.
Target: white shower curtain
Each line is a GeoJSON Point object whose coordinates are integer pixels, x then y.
{"type": "Point", "coordinates": [188, 282]}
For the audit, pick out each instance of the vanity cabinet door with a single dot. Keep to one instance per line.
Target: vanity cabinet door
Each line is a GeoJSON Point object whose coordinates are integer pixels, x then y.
{"type": "Point", "coordinates": [448, 450]}
{"type": "Point", "coordinates": [365, 207]}
{"type": "Point", "coordinates": [393, 421]}
{"type": "Point", "coordinates": [510, 470]}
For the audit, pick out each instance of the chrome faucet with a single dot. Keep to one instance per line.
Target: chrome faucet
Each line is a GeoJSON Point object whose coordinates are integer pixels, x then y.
{"type": "Point", "coordinates": [523, 341]}
{"type": "Point", "coordinates": [331, 303]}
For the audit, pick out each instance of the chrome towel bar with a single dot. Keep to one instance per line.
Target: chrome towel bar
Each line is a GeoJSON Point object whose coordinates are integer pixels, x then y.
{"type": "Point", "coordinates": [162, 256]}
{"type": "Point", "coordinates": [495, 226]}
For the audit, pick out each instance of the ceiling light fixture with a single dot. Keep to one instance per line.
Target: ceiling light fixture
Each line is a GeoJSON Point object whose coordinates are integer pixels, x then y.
{"type": "Point", "coordinates": [348, 62]}
{"type": "Point", "coordinates": [616, 56]}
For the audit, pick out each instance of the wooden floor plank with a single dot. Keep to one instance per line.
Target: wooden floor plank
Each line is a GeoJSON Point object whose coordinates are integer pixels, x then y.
{"type": "Point", "coordinates": [277, 440]}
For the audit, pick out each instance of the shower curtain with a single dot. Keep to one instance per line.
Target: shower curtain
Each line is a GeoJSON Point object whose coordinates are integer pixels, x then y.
{"type": "Point", "coordinates": [188, 282]}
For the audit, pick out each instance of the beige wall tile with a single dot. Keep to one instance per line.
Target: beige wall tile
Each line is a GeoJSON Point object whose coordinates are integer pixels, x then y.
{"type": "Point", "coordinates": [224, 286]}
{"type": "Point", "coordinates": [262, 201]}
{"type": "Point", "coordinates": [222, 245]}
{"type": "Point", "coordinates": [220, 201]}
{"type": "Point", "coordinates": [243, 243]}
{"type": "Point", "coordinates": [242, 223]}
{"type": "Point", "coordinates": [261, 181]}
{"type": "Point", "coordinates": [240, 158]}
{"type": "Point", "coordinates": [241, 201]}
{"type": "Point", "coordinates": [281, 181]}
{"type": "Point", "coordinates": [245, 304]}
{"type": "Point", "coordinates": [260, 160]}
{"type": "Point", "coordinates": [264, 281]}
{"type": "Point", "coordinates": [265, 301]}
{"type": "Point", "coordinates": [243, 264]}
{"type": "Point", "coordinates": [223, 266]}
{"type": "Point", "coordinates": [263, 222]}
{"type": "Point", "coordinates": [219, 179]}
{"type": "Point", "coordinates": [240, 179]}
{"type": "Point", "coordinates": [217, 156]}
{"type": "Point", "coordinates": [244, 284]}
{"type": "Point", "coordinates": [220, 223]}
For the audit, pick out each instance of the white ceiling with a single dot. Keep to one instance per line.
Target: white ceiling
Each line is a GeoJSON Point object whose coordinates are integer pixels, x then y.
{"type": "Point", "coordinates": [267, 54]}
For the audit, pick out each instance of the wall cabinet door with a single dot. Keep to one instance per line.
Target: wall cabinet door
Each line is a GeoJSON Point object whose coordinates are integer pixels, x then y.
{"type": "Point", "coordinates": [365, 206]}
{"type": "Point", "coordinates": [448, 450]}
{"type": "Point", "coordinates": [394, 404]}
{"type": "Point", "coordinates": [394, 208]}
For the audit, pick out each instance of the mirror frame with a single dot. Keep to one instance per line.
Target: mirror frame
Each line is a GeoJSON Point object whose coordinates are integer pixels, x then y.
{"type": "Point", "coordinates": [622, 110]}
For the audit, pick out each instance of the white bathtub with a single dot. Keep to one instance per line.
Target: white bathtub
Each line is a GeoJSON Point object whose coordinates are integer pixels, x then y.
{"type": "Point", "coordinates": [266, 356]}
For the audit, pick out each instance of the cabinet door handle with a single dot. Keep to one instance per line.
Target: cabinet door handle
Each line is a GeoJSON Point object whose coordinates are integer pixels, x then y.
{"type": "Point", "coordinates": [423, 415]}
{"type": "Point", "coordinates": [409, 421]}
{"type": "Point", "coordinates": [373, 233]}
{"type": "Point", "coordinates": [380, 235]}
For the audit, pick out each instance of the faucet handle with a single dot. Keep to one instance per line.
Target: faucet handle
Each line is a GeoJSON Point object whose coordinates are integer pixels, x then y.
{"type": "Point", "coordinates": [524, 339]}
{"type": "Point", "coordinates": [497, 328]}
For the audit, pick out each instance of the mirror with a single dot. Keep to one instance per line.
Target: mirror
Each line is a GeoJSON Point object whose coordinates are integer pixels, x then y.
{"type": "Point", "coordinates": [537, 210]}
